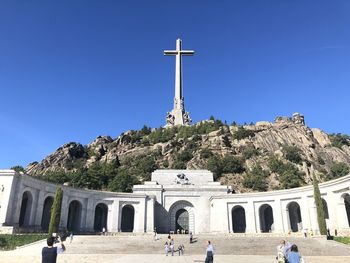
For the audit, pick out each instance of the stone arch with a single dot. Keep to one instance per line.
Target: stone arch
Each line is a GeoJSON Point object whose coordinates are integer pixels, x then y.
{"type": "Point", "coordinates": [26, 209]}
{"type": "Point", "coordinates": [100, 219]}
{"type": "Point", "coordinates": [266, 218]}
{"type": "Point", "coordinates": [238, 219]}
{"type": "Point", "coordinates": [346, 198]}
{"type": "Point", "coordinates": [128, 218]}
{"type": "Point", "coordinates": [183, 211]}
{"type": "Point", "coordinates": [46, 216]}
{"type": "Point", "coordinates": [74, 216]}
{"type": "Point", "coordinates": [325, 209]}
{"type": "Point", "coordinates": [294, 215]}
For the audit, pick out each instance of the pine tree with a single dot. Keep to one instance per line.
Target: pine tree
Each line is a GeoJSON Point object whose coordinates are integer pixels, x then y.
{"type": "Point", "coordinates": [56, 212]}
{"type": "Point", "coordinates": [319, 207]}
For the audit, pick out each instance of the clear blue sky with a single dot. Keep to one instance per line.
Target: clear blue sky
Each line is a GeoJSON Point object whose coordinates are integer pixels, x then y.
{"type": "Point", "coordinates": [73, 70]}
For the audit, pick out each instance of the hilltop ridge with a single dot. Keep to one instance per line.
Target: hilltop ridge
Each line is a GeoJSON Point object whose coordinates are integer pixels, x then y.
{"type": "Point", "coordinates": [256, 157]}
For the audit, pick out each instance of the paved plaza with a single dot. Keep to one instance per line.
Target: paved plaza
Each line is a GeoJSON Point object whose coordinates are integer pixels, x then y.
{"type": "Point", "coordinates": [142, 248]}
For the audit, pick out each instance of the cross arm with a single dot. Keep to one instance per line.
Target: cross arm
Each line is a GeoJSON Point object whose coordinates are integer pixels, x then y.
{"type": "Point", "coordinates": [170, 52]}
{"type": "Point", "coordinates": [187, 52]}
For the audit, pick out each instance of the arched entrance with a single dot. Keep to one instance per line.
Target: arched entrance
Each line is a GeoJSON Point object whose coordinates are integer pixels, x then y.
{"type": "Point", "coordinates": [347, 206]}
{"type": "Point", "coordinates": [266, 218]}
{"type": "Point", "coordinates": [74, 216]}
{"type": "Point", "coordinates": [45, 219]}
{"type": "Point", "coordinates": [325, 209]}
{"type": "Point", "coordinates": [26, 209]}
{"type": "Point", "coordinates": [238, 219]}
{"type": "Point", "coordinates": [182, 220]}
{"type": "Point", "coordinates": [181, 216]}
{"type": "Point", "coordinates": [100, 221]}
{"type": "Point", "coordinates": [294, 215]}
{"type": "Point", "coordinates": [128, 215]}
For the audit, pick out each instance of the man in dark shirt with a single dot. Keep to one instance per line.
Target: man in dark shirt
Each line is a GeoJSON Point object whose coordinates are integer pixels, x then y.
{"type": "Point", "coordinates": [49, 253]}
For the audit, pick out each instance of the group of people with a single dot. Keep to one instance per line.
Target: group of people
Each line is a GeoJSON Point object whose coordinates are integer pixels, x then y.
{"type": "Point", "coordinates": [288, 253]}
{"type": "Point", "coordinates": [169, 247]}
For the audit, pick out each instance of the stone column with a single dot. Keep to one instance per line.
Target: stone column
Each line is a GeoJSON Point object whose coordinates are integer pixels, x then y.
{"type": "Point", "coordinates": [139, 219]}
{"type": "Point", "coordinates": [251, 218]}
{"type": "Point", "coordinates": [64, 211]}
{"type": "Point", "coordinates": [33, 211]}
{"type": "Point", "coordinates": [150, 215]}
{"type": "Point", "coordinates": [84, 213]}
{"type": "Point", "coordinates": [113, 222]}
{"type": "Point", "coordinates": [39, 209]}
{"type": "Point", "coordinates": [307, 212]}
{"type": "Point", "coordinates": [277, 217]}
{"type": "Point", "coordinates": [342, 218]}
{"type": "Point", "coordinates": [90, 215]}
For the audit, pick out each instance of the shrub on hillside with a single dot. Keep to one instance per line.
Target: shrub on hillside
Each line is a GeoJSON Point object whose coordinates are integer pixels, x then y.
{"type": "Point", "coordinates": [228, 164]}
{"type": "Point", "coordinates": [338, 169]}
{"type": "Point", "coordinates": [242, 133]}
{"type": "Point", "coordinates": [339, 140]}
{"type": "Point", "coordinates": [292, 154]}
{"type": "Point", "coordinates": [256, 179]}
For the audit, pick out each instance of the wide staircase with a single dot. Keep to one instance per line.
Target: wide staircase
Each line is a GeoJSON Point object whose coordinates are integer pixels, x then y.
{"type": "Point", "coordinates": [224, 245]}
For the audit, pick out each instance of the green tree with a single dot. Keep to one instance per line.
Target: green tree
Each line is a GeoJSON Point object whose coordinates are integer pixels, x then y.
{"type": "Point", "coordinates": [256, 179]}
{"type": "Point", "coordinates": [242, 133]}
{"type": "Point", "coordinates": [214, 164]}
{"type": "Point", "coordinates": [18, 168]}
{"type": "Point", "coordinates": [339, 140]}
{"type": "Point", "coordinates": [292, 154]}
{"type": "Point", "coordinates": [291, 177]}
{"type": "Point", "coordinates": [338, 169]}
{"type": "Point", "coordinates": [56, 212]}
{"type": "Point", "coordinates": [123, 182]}
{"type": "Point", "coordinates": [319, 207]}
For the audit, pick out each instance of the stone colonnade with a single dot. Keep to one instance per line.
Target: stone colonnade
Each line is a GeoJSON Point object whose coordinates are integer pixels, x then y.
{"type": "Point", "coordinates": [82, 210]}
{"type": "Point", "coordinates": [283, 211]}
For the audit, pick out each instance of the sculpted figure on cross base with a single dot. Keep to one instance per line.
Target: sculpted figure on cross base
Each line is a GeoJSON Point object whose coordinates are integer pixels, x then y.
{"type": "Point", "coordinates": [170, 119]}
{"type": "Point", "coordinates": [187, 119]}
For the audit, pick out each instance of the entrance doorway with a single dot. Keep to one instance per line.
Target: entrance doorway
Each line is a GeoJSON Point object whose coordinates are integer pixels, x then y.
{"type": "Point", "coordinates": [182, 220]}
{"type": "Point", "coordinates": [294, 216]}
{"type": "Point", "coordinates": [266, 218]}
{"type": "Point", "coordinates": [238, 219]}
{"type": "Point", "coordinates": [128, 214]}
{"type": "Point", "coordinates": [45, 219]}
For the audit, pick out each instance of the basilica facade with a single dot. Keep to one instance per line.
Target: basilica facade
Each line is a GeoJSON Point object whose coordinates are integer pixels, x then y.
{"type": "Point", "coordinates": [174, 200]}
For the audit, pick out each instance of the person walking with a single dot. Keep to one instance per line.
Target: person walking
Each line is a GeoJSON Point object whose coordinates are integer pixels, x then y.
{"type": "Point", "coordinates": [280, 252]}
{"type": "Point", "coordinates": [155, 234]}
{"type": "Point", "coordinates": [49, 253]}
{"type": "Point", "coordinates": [71, 237]}
{"type": "Point", "coordinates": [166, 247]}
{"type": "Point", "coordinates": [172, 246]}
{"type": "Point", "coordinates": [181, 249]}
{"type": "Point", "coordinates": [210, 253]}
{"type": "Point", "coordinates": [294, 255]}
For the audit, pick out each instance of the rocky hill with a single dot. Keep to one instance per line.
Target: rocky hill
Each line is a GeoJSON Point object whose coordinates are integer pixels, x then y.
{"type": "Point", "coordinates": [257, 157]}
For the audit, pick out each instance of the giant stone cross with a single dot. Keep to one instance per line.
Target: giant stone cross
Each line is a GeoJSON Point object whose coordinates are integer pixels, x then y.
{"type": "Point", "coordinates": [178, 116]}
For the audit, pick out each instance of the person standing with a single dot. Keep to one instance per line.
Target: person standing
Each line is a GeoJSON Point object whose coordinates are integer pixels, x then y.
{"type": "Point", "coordinates": [103, 231]}
{"type": "Point", "coordinates": [181, 249]}
{"type": "Point", "coordinates": [71, 237]}
{"type": "Point", "coordinates": [155, 234]}
{"type": "Point", "coordinates": [49, 253]}
{"type": "Point", "coordinates": [280, 252]}
{"type": "Point", "coordinates": [210, 253]}
{"type": "Point", "coordinates": [191, 237]}
{"type": "Point", "coordinates": [293, 255]}
{"type": "Point", "coordinates": [172, 246]}
{"type": "Point", "coordinates": [166, 247]}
